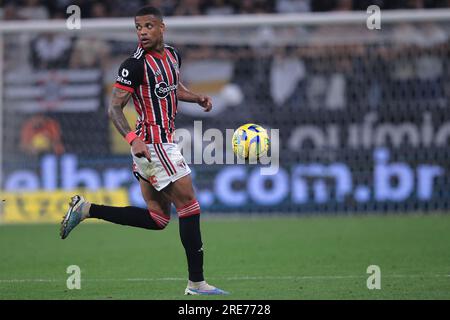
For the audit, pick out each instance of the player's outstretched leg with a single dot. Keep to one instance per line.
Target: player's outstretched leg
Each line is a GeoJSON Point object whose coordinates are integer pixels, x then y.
{"type": "Point", "coordinates": [155, 217]}
{"type": "Point", "coordinates": [182, 194]}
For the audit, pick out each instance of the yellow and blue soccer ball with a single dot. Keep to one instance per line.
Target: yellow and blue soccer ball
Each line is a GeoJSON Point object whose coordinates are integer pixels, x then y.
{"type": "Point", "coordinates": [250, 141]}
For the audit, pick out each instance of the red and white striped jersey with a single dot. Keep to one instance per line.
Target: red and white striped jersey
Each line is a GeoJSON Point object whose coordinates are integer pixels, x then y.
{"type": "Point", "coordinates": [152, 79]}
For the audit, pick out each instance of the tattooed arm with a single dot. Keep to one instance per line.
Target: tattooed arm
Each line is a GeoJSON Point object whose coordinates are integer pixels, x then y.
{"type": "Point", "coordinates": [119, 100]}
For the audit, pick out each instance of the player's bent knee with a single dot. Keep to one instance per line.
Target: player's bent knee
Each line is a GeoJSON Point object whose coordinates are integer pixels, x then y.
{"type": "Point", "coordinates": [182, 199]}
{"type": "Point", "coordinates": [189, 209]}
{"type": "Point", "coordinates": [161, 220]}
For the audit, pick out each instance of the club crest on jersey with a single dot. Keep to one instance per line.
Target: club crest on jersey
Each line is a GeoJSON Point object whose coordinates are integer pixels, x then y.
{"type": "Point", "coordinates": [158, 73]}
{"type": "Point", "coordinates": [162, 89]}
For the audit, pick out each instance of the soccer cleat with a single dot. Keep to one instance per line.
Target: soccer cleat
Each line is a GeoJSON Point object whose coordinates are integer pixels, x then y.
{"type": "Point", "coordinates": [73, 216]}
{"type": "Point", "coordinates": [205, 289]}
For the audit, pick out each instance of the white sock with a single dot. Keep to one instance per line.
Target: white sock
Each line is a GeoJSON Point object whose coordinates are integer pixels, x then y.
{"type": "Point", "coordinates": [202, 285]}
{"type": "Point", "coordinates": [85, 210]}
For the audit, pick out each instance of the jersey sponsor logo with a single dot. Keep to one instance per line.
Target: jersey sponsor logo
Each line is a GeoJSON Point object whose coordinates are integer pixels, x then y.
{"type": "Point", "coordinates": [125, 72]}
{"type": "Point", "coordinates": [162, 89]}
{"type": "Point", "coordinates": [124, 81]}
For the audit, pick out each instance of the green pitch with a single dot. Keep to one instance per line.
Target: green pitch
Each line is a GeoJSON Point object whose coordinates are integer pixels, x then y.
{"type": "Point", "coordinates": [260, 258]}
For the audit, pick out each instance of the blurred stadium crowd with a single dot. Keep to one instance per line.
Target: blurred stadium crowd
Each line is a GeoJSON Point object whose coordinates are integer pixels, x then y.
{"type": "Point", "coordinates": [362, 70]}
{"type": "Point", "coordinates": [348, 100]}
{"type": "Point", "coordinates": [49, 9]}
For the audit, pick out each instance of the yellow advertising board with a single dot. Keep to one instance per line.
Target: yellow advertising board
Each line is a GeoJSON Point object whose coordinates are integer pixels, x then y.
{"type": "Point", "coordinates": [50, 206]}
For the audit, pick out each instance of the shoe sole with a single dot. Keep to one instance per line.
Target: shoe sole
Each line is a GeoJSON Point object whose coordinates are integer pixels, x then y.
{"type": "Point", "coordinates": [73, 203]}
{"type": "Point", "coordinates": [188, 292]}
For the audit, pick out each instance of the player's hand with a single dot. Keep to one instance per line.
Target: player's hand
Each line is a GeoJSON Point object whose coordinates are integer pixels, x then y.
{"type": "Point", "coordinates": [139, 149]}
{"type": "Point", "coordinates": [205, 102]}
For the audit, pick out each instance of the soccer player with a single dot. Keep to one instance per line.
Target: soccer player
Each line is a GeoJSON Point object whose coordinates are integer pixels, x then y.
{"type": "Point", "coordinates": [151, 76]}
